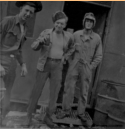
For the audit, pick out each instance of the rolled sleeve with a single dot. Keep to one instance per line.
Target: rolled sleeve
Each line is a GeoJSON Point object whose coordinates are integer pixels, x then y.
{"type": "Point", "coordinates": [36, 45]}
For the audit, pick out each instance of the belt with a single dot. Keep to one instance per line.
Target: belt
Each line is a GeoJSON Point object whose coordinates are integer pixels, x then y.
{"type": "Point", "coordinates": [52, 59]}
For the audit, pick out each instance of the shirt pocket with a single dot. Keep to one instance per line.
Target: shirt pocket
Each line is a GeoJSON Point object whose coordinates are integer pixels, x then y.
{"type": "Point", "coordinates": [12, 37]}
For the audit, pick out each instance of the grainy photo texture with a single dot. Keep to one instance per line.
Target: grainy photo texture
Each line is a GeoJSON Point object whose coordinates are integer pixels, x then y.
{"type": "Point", "coordinates": [62, 64]}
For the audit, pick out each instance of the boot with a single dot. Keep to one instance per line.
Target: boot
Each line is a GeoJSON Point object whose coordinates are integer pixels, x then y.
{"type": "Point", "coordinates": [28, 120]}
{"type": "Point", "coordinates": [48, 121]}
{"type": "Point", "coordinates": [63, 114]}
{"type": "Point", "coordinates": [2, 121]}
{"type": "Point", "coordinates": [85, 120]}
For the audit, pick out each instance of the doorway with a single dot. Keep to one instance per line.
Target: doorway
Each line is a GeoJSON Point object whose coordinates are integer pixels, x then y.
{"type": "Point", "coordinates": [75, 10]}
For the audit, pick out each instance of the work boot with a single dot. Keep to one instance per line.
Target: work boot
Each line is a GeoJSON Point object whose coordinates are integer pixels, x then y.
{"type": "Point", "coordinates": [63, 114]}
{"type": "Point", "coordinates": [2, 121]}
{"type": "Point", "coordinates": [85, 120]}
{"type": "Point", "coordinates": [48, 121]}
{"type": "Point", "coordinates": [28, 120]}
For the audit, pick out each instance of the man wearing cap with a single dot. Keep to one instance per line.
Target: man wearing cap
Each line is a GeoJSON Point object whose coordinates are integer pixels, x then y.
{"type": "Point", "coordinates": [56, 46]}
{"type": "Point", "coordinates": [88, 54]}
{"type": "Point", "coordinates": [12, 37]}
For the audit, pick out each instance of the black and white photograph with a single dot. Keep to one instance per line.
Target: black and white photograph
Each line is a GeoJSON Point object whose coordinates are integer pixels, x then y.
{"type": "Point", "coordinates": [62, 64]}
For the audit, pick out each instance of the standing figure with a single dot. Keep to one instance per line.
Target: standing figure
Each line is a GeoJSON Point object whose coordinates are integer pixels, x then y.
{"type": "Point", "coordinates": [12, 37]}
{"type": "Point", "coordinates": [56, 46]}
{"type": "Point", "coordinates": [88, 54]}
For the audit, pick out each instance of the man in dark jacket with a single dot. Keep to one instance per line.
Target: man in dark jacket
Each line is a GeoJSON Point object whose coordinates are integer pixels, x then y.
{"type": "Point", "coordinates": [56, 46]}
{"type": "Point", "coordinates": [12, 37]}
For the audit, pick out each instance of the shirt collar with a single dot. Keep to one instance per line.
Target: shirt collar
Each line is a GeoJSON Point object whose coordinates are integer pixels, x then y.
{"type": "Point", "coordinates": [90, 35]}
{"type": "Point", "coordinates": [54, 29]}
{"type": "Point", "coordinates": [18, 21]}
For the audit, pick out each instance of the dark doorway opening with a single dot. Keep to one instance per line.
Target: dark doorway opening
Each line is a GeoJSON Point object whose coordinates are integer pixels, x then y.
{"type": "Point", "coordinates": [75, 10]}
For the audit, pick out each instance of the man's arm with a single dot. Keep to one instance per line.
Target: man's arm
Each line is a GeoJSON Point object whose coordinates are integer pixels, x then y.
{"type": "Point", "coordinates": [70, 48]}
{"type": "Point", "coordinates": [19, 57]}
{"type": "Point", "coordinates": [4, 25]}
{"type": "Point", "coordinates": [41, 40]}
{"type": "Point", "coordinates": [97, 56]}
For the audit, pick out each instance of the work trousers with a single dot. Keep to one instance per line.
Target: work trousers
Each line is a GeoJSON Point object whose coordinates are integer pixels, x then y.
{"type": "Point", "coordinates": [9, 63]}
{"type": "Point", "coordinates": [53, 71]}
{"type": "Point", "coordinates": [81, 72]}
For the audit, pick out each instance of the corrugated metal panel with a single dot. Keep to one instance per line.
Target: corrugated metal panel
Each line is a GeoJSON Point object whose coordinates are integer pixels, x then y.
{"type": "Point", "coordinates": [113, 64]}
{"type": "Point", "coordinates": [113, 69]}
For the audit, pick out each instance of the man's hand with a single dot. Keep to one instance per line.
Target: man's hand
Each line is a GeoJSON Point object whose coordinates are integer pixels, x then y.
{"type": "Point", "coordinates": [63, 60]}
{"type": "Point", "coordinates": [78, 47]}
{"type": "Point", "coordinates": [2, 71]}
{"type": "Point", "coordinates": [23, 70]}
{"type": "Point", "coordinates": [90, 67]}
{"type": "Point", "coordinates": [46, 40]}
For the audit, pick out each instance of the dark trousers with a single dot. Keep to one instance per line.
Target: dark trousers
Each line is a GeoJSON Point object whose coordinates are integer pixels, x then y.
{"type": "Point", "coordinates": [9, 64]}
{"type": "Point", "coordinates": [52, 70]}
{"type": "Point", "coordinates": [82, 72]}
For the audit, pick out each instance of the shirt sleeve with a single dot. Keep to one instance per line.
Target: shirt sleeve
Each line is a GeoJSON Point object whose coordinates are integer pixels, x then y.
{"type": "Point", "coordinates": [4, 25]}
{"type": "Point", "coordinates": [98, 55]}
{"type": "Point", "coordinates": [19, 56]}
{"type": "Point", "coordinates": [70, 48]}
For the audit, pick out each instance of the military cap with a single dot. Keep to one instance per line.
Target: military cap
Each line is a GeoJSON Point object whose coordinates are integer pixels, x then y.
{"type": "Point", "coordinates": [59, 15]}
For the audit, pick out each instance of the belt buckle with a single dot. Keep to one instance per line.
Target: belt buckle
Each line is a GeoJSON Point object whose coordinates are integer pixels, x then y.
{"type": "Point", "coordinates": [12, 56]}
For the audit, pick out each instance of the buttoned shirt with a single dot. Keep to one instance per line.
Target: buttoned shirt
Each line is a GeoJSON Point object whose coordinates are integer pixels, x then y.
{"type": "Point", "coordinates": [11, 37]}
{"type": "Point", "coordinates": [45, 49]}
{"type": "Point", "coordinates": [88, 48]}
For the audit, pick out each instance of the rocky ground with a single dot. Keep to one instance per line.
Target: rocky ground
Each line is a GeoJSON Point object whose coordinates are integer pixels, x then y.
{"type": "Point", "coordinates": [17, 120]}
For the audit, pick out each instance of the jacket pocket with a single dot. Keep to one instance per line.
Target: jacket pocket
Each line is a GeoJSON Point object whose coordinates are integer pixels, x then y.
{"type": "Point", "coordinates": [41, 63]}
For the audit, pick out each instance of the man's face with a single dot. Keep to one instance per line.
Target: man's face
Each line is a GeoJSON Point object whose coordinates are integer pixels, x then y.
{"type": "Point", "coordinates": [60, 25]}
{"type": "Point", "coordinates": [26, 12]}
{"type": "Point", "coordinates": [89, 24]}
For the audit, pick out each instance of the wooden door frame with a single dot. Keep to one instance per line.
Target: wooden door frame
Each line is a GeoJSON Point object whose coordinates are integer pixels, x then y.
{"type": "Point", "coordinates": [95, 87]}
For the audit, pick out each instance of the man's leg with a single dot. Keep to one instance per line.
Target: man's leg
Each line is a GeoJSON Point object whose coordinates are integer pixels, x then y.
{"type": "Point", "coordinates": [55, 85]}
{"type": "Point", "coordinates": [41, 78]}
{"type": "Point", "coordinates": [69, 89]}
{"type": "Point", "coordinates": [85, 78]}
{"type": "Point", "coordinates": [8, 79]}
